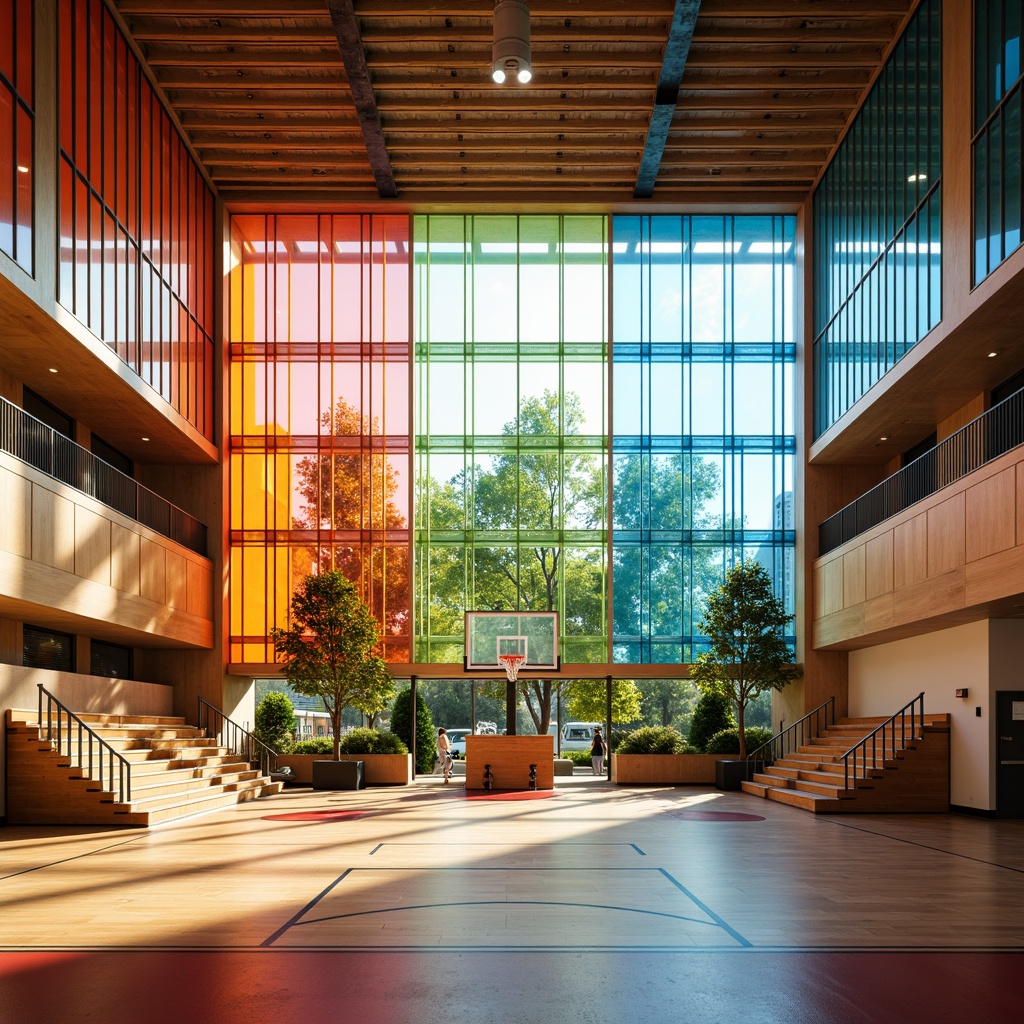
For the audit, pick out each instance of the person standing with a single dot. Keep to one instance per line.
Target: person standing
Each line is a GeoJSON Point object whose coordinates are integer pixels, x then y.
{"type": "Point", "coordinates": [444, 754]}
{"type": "Point", "coordinates": [597, 750]}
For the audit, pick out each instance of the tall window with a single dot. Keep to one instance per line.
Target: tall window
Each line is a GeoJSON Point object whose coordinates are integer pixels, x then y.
{"type": "Point", "coordinates": [877, 226]}
{"type": "Point", "coordinates": [136, 217]}
{"type": "Point", "coordinates": [319, 418]}
{"type": "Point", "coordinates": [511, 426]}
{"type": "Point", "coordinates": [998, 184]}
{"type": "Point", "coordinates": [703, 439]}
{"type": "Point", "coordinates": [16, 131]}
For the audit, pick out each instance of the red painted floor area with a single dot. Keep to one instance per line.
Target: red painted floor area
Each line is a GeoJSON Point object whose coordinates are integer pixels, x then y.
{"type": "Point", "coordinates": [486, 988]}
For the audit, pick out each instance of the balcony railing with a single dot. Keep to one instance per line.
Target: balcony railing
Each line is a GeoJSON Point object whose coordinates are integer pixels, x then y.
{"type": "Point", "coordinates": [992, 434]}
{"type": "Point", "coordinates": [43, 448]}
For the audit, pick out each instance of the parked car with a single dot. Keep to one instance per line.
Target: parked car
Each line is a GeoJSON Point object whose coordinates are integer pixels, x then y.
{"type": "Point", "coordinates": [457, 738]}
{"type": "Point", "coordinates": [578, 735]}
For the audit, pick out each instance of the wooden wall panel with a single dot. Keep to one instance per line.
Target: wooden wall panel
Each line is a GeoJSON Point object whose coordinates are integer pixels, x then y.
{"type": "Point", "coordinates": [15, 513]}
{"type": "Point", "coordinates": [177, 580]}
{"type": "Point", "coordinates": [910, 551]}
{"type": "Point", "coordinates": [154, 571]}
{"type": "Point", "coordinates": [92, 545]}
{"type": "Point", "coordinates": [199, 589]}
{"type": "Point", "coordinates": [990, 527]}
{"type": "Point", "coordinates": [971, 411]}
{"type": "Point", "coordinates": [53, 529]}
{"type": "Point", "coordinates": [947, 544]}
{"type": "Point", "coordinates": [828, 587]}
{"type": "Point", "coordinates": [125, 559]}
{"type": "Point", "coordinates": [878, 565]}
{"type": "Point", "coordinates": [853, 577]}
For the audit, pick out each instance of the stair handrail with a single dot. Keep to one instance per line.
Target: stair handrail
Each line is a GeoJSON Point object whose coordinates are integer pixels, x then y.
{"type": "Point", "coordinates": [92, 750]}
{"type": "Point", "coordinates": [872, 737]}
{"type": "Point", "coordinates": [800, 732]}
{"type": "Point", "coordinates": [238, 739]}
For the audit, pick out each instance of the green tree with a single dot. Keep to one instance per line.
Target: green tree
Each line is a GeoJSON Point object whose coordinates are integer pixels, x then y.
{"type": "Point", "coordinates": [712, 714]}
{"type": "Point", "coordinates": [745, 623]}
{"type": "Point", "coordinates": [588, 700]}
{"type": "Point", "coordinates": [426, 736]}
{"type": "Point", "coordinates": [667, 702]}
{"type": "Point", "coordinates": [275, 721]}
{"type": "Point", "coordinates": [328, 649]}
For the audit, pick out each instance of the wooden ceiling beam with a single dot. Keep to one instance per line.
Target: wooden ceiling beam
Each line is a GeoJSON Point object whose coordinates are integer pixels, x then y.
{"type": "Point", "coordinates": [347, 28]}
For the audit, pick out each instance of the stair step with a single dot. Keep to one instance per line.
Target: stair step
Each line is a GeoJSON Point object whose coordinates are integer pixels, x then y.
{"type": "Point", "coordinates": [813, 802]}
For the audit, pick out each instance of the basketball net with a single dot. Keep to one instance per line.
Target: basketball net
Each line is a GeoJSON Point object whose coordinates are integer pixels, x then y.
{"type": "Point", "coordinates": [511, 663]}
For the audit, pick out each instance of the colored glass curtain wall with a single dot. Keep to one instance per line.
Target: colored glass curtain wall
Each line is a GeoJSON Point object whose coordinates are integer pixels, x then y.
{"type": "Point", "coordinates": [510, 331]}
{"type": "Point", "coordinates": [16, 131]}
{"type": "Point", "coordinates": [997, 143]}
{"type": "Point", "coordinates": [319, 401]}
{"type": "Point", "coordinates": [135, 261]}
{"type": "Point", "coordinates": [703, 439]}
{"type": "Point", "coordinates": [878, 226]}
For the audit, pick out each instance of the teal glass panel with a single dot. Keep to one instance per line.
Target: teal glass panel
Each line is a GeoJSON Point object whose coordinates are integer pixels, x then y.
{"type": "Point", "coordinates": [511, 422]}
{"type": "Point", "coordinates": [703, 445]}
{"type": "Point", "coordinates": [877, 228]}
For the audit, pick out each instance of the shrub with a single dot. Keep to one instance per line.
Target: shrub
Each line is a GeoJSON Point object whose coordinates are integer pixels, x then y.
{"type": "Point", "coordinates": [579, 757]}
{"type": "Point", "coordinates": [662, 739]}
{"type": "Point", "coordinates": [712, 714]}
{"type": "Point", "coordinates": [728, 740]}
{"type": "Point", "coordinates": [318, 745]}
{"type": "Point", "coordinates": [275, 718]}
{"type": "Point", "coordinates": [369, 741]}
{"type": "Point", "coordinates": [426, 734]}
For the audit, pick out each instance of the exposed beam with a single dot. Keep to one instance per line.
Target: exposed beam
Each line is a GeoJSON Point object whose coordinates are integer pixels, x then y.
{"type": "Point", "coordinates": [347, 29]}
{"type": "Point", "coordinates": [684, 18]}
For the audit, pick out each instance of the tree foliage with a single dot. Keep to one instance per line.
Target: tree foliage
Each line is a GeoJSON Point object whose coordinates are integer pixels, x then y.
{"type": "Point", "coordinates": [667, 702]}
{"type": "Point", "coordinates": [275, 720]}
{"type": "Point", "coordinates": [588, 700]}
{"type": "Point", "coordinates": [327, 651]}
{"type": "Point", "coordinates": [712, 714]}
{"type": "Point", "coordinates": [653, 740]}
{"type": "Point", "coordinates": [745, 623]}
{"type": "Point", "coordinates": [426, 734]}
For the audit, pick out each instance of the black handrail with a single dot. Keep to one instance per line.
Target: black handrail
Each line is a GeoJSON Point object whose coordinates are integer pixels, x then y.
{"type": "Point", "coordinates": [872, 738]}
{"type": "Point", "coordinates": [49, 451]}
{"type": "Point", "coordinates": [992, 434]}
{"type": "Point", "coordinates": [239, 741]}
{"type": "Point", "coordinates": [813, 724]}
{"type": "Point", "coordinates": [85, 748]}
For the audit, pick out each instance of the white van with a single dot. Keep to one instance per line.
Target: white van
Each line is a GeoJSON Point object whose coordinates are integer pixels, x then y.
{"type": "Point", "coordinates": [579, 735]}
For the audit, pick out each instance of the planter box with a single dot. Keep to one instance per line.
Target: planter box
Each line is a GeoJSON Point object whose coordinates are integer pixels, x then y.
{"type": "Point", "coordinates": [379, 769]}
{"type": "Point", "coordinates": [510, 758]}
{"type": "Point", "coordinates": [730, 772]}
{"type": "Point", "coordinates": [338, 775]}
{"type": "Point", "coordinates": [665, 769]}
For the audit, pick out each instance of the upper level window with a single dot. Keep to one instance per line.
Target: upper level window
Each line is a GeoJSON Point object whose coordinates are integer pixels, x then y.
{"type": "Point", "coordinates": [16, 131]}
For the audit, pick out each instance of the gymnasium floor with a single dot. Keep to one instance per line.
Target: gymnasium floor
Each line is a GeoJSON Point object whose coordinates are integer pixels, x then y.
{"type": "Point", "coordinates": [595, 903]}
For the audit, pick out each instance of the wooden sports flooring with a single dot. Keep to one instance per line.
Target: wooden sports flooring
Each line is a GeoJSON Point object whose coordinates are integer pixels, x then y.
{"type": "Point", "coordinates": [591, 904]}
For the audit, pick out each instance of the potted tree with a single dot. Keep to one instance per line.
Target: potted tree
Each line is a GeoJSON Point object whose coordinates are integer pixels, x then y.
{"type": "Point", "coordinates": [327, 653]}
{"type": "Point", "coordinates": [747, 655]}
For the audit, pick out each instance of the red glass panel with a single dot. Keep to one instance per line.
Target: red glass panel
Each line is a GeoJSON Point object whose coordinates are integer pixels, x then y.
{"type": "Point", "coordinates": [66, 70]}
{"type": "Point", "coordinates": [95, 113]}
{"type": "Point", "coordinates": [132, 149]}
{"type": "Point", "coordinates": [145, 168]}
{"type": "Point", "coordinates": [8, 34]}
{"type": "Point", "coordinates": [123, 129]}
{"type": "Point", "coordinates": [109, 113]}
{"type": "Point", "coordinates": [23, 82]}
{"type": "Point", "coordinates": [7, 180]}
{"type": "Point", "coordinates": [66, 248]}
{"type": "Point", "coordinates": [80, 128]}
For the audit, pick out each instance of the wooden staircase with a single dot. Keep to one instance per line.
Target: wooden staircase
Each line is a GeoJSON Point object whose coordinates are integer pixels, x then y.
{"type": "Point", "coordinates": [915, 778]}
{"type": "Point", "coordinates": [176, 771]}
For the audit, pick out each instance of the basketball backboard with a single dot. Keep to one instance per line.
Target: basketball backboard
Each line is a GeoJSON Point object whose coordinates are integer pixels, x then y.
{"type": "Point", "coordinates": [532, 634]}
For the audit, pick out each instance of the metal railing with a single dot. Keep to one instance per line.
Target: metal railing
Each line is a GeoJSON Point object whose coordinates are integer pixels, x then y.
{"type": "Point", "coordinates": [87, 751]}
{"type": "Point", "coordinates": [813, 724]}
{"type": "Point", "coordinates": [992, 434]}
{"type": "Point", "coordinates": [239, 741]}
{"type": "Point", "coordinates": [49, 451]}
{"type": "Point", "coordinates": [885, 737]}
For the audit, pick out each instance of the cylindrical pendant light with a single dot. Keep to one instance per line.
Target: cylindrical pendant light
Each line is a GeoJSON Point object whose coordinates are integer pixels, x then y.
{"type": "Point", "coordinates": [510, 54]}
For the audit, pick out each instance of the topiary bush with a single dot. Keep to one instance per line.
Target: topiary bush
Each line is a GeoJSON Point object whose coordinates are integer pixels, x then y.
{"type": "Point", "coordinates": [426, 734]}
{"type": "Point", "coordinates": [275, 719]}
{"type": "Point", "coordinates": [319, 745]}
{"type": "Point", "coordinates": [712, 714]}
{"type": "Point", "coordinates": [662, 739]}
{"type": "Point", "coordinates": [727, 741]}
{"type": "Point", "coordinates": [370, 741]}
{"type": "Point", "coordinates": [579, 757]}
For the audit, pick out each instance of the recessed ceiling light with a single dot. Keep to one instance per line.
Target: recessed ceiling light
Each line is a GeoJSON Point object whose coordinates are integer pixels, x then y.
{"type": "Point", "coordinates": [883, 439]}
{"type": "Point", "coordinates": [917, 177]}
{"type": "Point", "coordinates": [145, 439]}
{"type": "Point", "coordinates": [53, 369]}
{"type": "Point", "coordinates": [992, 355]}
{"type": "Point", "coordinates": [22, 169]}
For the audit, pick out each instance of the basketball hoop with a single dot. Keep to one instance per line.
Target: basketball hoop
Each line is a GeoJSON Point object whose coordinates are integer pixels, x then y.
{"type": "Point", "coordinates": [511, 663]}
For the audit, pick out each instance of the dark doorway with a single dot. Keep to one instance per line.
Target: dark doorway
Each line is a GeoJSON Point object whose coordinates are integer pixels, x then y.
{"type": "Point", "coordinates": [1010, 754]}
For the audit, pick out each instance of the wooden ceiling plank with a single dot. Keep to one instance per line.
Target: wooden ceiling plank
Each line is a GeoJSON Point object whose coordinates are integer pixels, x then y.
{"type": "Point", "coordinates": [347, 28]}
{"type": "Point", "coordinates": [677, 47]}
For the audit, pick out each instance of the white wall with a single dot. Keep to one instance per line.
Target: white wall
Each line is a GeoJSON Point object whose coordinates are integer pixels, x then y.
{"type": "Point", "coordinates": [884, 678]}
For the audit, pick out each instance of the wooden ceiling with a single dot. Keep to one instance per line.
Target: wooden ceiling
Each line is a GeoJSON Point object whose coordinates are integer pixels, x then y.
{"type": "Point", "coordinates": [380, 99]}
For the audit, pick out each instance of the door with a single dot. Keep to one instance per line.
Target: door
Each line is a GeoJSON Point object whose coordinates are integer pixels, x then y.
{"type": "Point", "coordinates": [1010, 754]}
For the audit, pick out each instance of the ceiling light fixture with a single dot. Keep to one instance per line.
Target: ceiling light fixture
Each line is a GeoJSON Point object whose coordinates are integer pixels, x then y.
{"type": "Point", "coordinates": [510, 53]}
{"type": "Point", "coordinates": [992, 355]}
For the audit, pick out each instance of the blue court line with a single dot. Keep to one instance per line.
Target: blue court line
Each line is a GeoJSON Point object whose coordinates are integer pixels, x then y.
{"type": "Point", "coordinates": [707, 910]}
{"type": "Point", "coordinates": [309, 906]}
